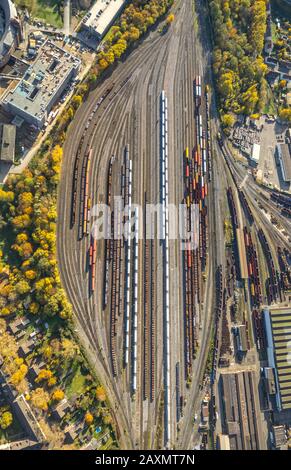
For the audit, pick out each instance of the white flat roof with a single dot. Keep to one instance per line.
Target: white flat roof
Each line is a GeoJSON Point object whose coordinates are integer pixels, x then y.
{"type": "Point", "coordinates": [256, 152]}
{"type": "Point", "coordinates": [101, 15]}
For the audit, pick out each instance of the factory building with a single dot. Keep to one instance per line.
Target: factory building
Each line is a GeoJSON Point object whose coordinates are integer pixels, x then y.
{"type": "Point", "coordinates": [42, 85]}
{"type": "Point", "coordinates": [284, 159]}
{"type": "Point", "coordinates": [240, 410]}
{"type": "Point", "coordinates": [277, 323]}
{"type": "Point", "coordinates": [101, 16]}
{"type": "Point", "coordinates": [10, 30]}
{"type": "Point", "coordinates": [240, 336]}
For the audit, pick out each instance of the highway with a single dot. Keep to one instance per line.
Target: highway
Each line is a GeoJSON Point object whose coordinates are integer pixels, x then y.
{"type": "Point", "coordinates": [118, 129]}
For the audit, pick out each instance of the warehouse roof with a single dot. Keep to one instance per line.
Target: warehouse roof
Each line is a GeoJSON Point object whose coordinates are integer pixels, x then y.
{"type": "Point", "coordinates": [284, 155]}
{"type": "Point", "coordinates": [279, 433]}
{"type": "Point", "coordinates": [240, 410]}
{"type": "Point", "coordinates": [242, 338]}
{"type": "Point", "coordinates": [101, 15]}
{"type": "Point", "coordinates": [256, 152]}
{"type": "Point", "coordinates": [279, 321]}
{"type": "Point", "coordinates": [8, 134]}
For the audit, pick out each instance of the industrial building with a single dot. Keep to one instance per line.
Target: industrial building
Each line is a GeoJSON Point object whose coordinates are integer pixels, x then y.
{"type": "Point", "coordinates": [101, 16]}
{"type": "Point", "coordinates": [7, 143]}
{"type": "Point", "coordinates": [284, 159]}
{"type": "Point", "coordinates": [279, 436]}
{"type": "Point", "coordinates": [255, 155]}
{"type": "Point", "coordinates": [43, 84]}
{"type": "Point", "coordinates": [277, 323]}
{"type": "Point", "coordinates": [240, 334]}
{"type": "Point", "coordinates": [10, 30]}
{"type": "Point", "coordinates": [240, 410]}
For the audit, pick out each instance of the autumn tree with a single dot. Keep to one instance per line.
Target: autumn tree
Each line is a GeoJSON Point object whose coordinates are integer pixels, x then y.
{"type": "Point", "coordinates": [227, 120]}
{"type": "Point", "coordinates": [239, 29]}
{"type": "Point", "coordinates": [44, 374]}
{"type": "Point", "coordinates": [39, 399]}
{"type": "Point", "coordinates": [77, 101]}
{"type": "Point", "coordinates": [135, 20]}
{"type": "Point", "coordinates": [6, 419]}
{"type": "Point", "coordinates": [170, 18]}
{"type": "Point", "coordinates": [100, 393]}
{"type": "Point", "coordinates": [107, 419]}
{"type": "Point", "coordinates": [58, 395]}
{"type": "Point", "coordinates": [89, 418]}
{"type": "Point", "coordinates": [285, 114]}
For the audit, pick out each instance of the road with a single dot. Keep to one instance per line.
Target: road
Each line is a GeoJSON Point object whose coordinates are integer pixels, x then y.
{"type": "Point", "coordinates": [67, 17]}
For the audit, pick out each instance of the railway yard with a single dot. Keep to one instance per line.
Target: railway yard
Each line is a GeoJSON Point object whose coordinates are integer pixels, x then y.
{"type": "Point", "coordinates": [149, 304]}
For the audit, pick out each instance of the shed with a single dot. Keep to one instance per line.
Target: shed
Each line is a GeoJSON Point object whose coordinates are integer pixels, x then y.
{"type": "Point", "coordinates": [8, 137]}
{"type": "Point", "coordinates": [241, 336]}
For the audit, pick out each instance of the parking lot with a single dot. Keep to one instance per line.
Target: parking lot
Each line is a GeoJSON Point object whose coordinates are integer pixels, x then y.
{"type": "Point", "coordinates": [271, 135]}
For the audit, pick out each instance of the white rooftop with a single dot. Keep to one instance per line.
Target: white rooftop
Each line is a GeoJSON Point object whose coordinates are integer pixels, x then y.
{"type": "Point", "coordinates": [256, 152]}
{"type": "Point", "coordinates": [101, 15]}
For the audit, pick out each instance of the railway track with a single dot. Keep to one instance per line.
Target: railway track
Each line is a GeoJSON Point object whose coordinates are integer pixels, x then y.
{"type": "Point", "coordinates": [102, 312]}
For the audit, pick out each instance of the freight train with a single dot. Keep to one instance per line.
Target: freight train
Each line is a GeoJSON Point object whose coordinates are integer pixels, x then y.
{"type": "Point", "coordinates": [253, 270]}
{"type": "Point", "coordinates": [197, 174]}
{"type": "Point", "coordinates": [78, 159]}
{"type": "Point", "coordinates": [197, 91]}
{"type": "Point", "coordinates": [272, 283]}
